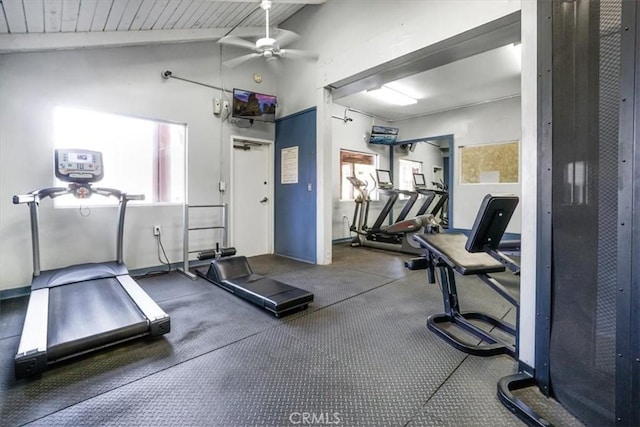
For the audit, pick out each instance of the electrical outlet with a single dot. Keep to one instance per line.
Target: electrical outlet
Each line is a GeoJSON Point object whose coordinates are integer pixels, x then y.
{"type": "Point", "coordinates": [156, 230]}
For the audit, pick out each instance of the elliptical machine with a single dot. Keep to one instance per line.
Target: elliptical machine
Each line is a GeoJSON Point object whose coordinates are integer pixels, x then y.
{"type": "Point", "coordinates": [396, 237]}
{"type": "Point", "coordinates": [441, 209]}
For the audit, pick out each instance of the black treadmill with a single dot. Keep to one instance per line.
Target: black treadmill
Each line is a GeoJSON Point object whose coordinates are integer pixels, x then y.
{"type": "Point", "coordinates": [81, 308]}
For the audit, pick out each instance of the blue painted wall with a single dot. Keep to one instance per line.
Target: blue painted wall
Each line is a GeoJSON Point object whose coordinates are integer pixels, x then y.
{"type": "Point", "coordinates": [295, 204]}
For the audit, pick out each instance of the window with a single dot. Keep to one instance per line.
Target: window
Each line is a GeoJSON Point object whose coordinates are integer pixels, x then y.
{"type": "Point", "coordinates": [407, 169]}
{"type": "Point", "coordinates": [140, 156]}
{"type": "Point", "coordinates": [362, 166]}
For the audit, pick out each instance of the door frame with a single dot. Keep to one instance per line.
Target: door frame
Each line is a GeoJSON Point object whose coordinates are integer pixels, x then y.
{"type": "Point", "coordinates": [238, 139]}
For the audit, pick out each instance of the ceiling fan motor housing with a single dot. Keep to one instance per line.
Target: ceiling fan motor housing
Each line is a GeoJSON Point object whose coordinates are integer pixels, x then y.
{"type": "Point", "coordinates": [265, 43]}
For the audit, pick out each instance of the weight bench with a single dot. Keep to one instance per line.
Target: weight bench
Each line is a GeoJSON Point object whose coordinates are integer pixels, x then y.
{"type": "Point", "coordinates": [234, 274]}
{"type": "Point", "coordinates": [477, 255]}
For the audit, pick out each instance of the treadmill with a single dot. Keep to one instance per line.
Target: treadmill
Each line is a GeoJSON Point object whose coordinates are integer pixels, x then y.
{"type": "Point", "coordinates": [81, 308]}
{"type": "Point", "coordinates": [420, 185]}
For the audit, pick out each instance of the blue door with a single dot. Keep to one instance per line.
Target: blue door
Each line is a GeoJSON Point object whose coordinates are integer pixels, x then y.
{"type": "Point", "coordinates": [295, 202]}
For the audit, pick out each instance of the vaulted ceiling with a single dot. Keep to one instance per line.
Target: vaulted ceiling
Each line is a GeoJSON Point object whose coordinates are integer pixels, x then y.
{"type": "Point", "coordinates": [54, 16]}
{"type": "Point", "coordinates": [40, 25]}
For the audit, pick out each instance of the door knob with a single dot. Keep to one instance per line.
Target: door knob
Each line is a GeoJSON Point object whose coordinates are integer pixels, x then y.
{"type": "Point", "coordinates": [264, 200]}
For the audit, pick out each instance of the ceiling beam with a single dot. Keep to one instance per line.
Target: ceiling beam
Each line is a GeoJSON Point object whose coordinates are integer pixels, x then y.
{"type": "Point", "coordinates": [491, 35]}
{"type": "Point", "coordinates": [37, 42]}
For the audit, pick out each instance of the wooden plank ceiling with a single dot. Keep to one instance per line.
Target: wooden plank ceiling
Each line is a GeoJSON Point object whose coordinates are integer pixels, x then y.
{"type": "Point", "coordinates": [68, 16]}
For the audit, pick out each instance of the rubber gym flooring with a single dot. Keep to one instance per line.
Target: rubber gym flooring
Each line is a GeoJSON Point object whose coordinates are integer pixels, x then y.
{"type": "Point", "coordinates": [359, 355]}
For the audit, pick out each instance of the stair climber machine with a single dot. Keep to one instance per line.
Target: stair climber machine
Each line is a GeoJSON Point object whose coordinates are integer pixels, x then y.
{"type": "Point", "coordinates": [396, 237]}
{"type": "Point", "coordinates": [80, 308]}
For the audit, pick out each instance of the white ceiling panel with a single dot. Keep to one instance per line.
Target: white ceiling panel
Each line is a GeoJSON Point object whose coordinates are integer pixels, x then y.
{"type": "Point", "coordinates": [115, 14]}
{"type": "Point", "coordinates": [101, 14]}
{"type": "Point", "coordinates": [34, 14]}
{"type": "Point", "coordinates": [70, 9]}
{"type": "Point", "coordinates": [85, 15]}
{"type": "Point", "coordinates": [141, 14]}
{"type": "Point", "coordinates": [198, 15]}
{"type": "Point", "coordinates": [3, 23]}
{"type": "Point", "coordinates": [166, 14]}
{"type": "Point", "coordinates": [52, 16]}
{"type": "Point", "coordinates": [177, 14]}
{"type": "Point", "coordinates": [156, 11]}
{"type": "Point", "coordinates": [129, 14]}
{"type": "Point", "coordinates": [14, 12]}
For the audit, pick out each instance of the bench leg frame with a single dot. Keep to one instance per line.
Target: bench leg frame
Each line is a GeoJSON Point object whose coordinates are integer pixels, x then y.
{"type": "Point", "coordinates": [454, 317]}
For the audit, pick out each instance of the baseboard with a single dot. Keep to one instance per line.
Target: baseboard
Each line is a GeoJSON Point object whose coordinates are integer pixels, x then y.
{"type": "Point", "coordinates": [15, 292]}
{"type": "Point", "coordinates": [341, 240]}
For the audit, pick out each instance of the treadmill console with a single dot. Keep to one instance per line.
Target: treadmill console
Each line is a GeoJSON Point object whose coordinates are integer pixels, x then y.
{"type": "Point", "coordinates": [384, 179]}
{"type": "Point", "coordinates": [418, 181]}
{"type": "Point", "coordinates": [78, 166]}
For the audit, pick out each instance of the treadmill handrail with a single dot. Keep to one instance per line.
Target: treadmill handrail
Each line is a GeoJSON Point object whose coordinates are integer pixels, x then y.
{"type": "Point", "coordinates": [33, 198]}
{"type": "Point", "coordinates": [36, 195]}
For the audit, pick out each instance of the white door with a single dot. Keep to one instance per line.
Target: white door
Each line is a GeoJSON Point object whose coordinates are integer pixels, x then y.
{"type": "Point", "coordinates": [252, 191]}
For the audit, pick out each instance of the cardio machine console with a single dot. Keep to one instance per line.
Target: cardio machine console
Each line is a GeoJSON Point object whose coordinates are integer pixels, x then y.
{"type": "Point", "coordinates": [78, 166]}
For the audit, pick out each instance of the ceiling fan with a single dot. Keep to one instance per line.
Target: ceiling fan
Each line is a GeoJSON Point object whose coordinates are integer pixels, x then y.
{"type": "Point", "coordinates": [268, 47]}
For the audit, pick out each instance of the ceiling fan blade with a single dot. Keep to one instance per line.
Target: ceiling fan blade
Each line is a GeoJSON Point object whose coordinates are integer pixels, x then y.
{"type": "Point", "coordinates": [239, 60]}
{"type": "Point", "coordinates": [237, 41]}
{"type": "Point", "coordinates": [285, 37]}
{"type": "Point", "coordinates": [297, 53]}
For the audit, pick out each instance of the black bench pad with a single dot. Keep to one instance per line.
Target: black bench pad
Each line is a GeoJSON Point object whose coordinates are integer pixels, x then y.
{"type": "Point", "coordinates": [271, 294]}
{"type": "Point", "coordinates": [450, 248]}
{"type": "Point", "coordinates": [235, 275]}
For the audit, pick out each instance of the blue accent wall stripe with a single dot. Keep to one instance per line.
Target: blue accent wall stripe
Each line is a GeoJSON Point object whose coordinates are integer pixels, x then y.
{"type": "Point", "coordinates": [295, 204]}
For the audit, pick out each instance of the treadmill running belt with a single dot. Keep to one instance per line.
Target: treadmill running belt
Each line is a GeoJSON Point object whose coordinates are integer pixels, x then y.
{"type": "Point", "coordinates": [87, 315]}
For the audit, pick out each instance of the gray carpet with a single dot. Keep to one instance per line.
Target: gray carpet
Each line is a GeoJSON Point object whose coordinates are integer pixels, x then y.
{"type": "Point", "coordinates": [359, 355]}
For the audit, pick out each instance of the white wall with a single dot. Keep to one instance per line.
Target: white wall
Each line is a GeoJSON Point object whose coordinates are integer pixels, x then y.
{"type": "Point", "coordinates": [352, 36]}
{"type": "Point", "coordinates": [483, 124]}
{"type": "Point", "coordinates": [353, 136]}
{"type": "Point", "coordinates": [116, 80]}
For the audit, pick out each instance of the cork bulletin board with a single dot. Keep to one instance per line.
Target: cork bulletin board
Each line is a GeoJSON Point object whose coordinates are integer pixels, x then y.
{"type": "Point", "coordinates": [490, 163]}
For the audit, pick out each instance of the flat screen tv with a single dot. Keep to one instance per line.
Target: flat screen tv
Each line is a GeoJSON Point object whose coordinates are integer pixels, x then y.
{"type": "Point", "coordinates": [383, 135]}
{"type": "Point", "coordinates": [253, 106]}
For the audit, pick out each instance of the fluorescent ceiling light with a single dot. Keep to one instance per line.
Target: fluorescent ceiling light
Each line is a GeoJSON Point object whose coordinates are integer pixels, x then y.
{"type": "Point", "coordinates": [392, 96]}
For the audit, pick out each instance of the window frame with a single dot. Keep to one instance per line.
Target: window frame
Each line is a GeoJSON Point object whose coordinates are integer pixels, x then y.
{"type": "Point", "coordinates": [166, 168]}
{"type": "Point", "coordinates": [343, 179]}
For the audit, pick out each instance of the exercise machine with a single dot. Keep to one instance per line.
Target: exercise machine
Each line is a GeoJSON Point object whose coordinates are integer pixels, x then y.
{"type": "Point", "coordinates": [395, 237]}
{"type": "Point", "coordinates": [234, 274]}
{"type": "Point", "coordinates": [478, 256]}
{"type": "Point", "coordinates": [385, 186]}
{"type": "Point", "coordinates": [420, 186]}
{"type": "Point", "coordinates": [80, 308]}
{"type": "Point", "coordinates": [440, 209]}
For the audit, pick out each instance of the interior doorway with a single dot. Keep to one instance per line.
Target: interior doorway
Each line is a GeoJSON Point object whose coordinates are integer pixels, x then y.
{"type": "Point", "coordinates": [251, 195]}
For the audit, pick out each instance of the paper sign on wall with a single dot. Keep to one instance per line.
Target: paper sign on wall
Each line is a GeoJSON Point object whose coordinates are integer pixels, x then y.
{"type": "Point", "coordinates": [289, 165]}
